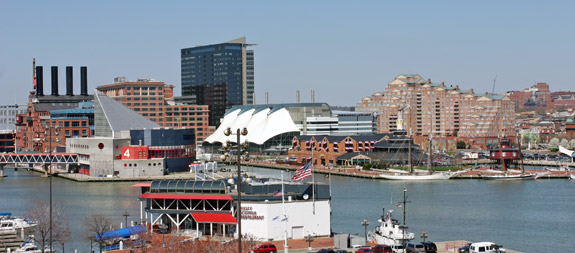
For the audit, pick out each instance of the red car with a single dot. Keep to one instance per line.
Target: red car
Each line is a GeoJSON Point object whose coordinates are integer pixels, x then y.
{"type": "Point", "coordinates": [268, 247]}
{"type": "Point", "coordinates": [382, 248]}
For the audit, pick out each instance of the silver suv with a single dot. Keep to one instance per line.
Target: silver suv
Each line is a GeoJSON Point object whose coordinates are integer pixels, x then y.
{"type": "Point", "coordinates": [414, 247]}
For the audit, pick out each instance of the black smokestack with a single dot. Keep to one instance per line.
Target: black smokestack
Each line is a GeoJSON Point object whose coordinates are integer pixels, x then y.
{"type": "Point", "coordinates": [84, 81]}
{"type": "Point", "coordinates": [69, 81]}
{"type": "Point", "coordinates": [54, 80]}
{"type": "Point", "coordinates": [39, 81]}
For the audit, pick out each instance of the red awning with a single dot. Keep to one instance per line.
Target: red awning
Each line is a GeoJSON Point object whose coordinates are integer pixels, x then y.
{"type": "Point", "coordinates": [144, 184]}
{"type": "Point", "coordinates": [214, 217]}
{"type": "Point", "coordinates": [185, 196]}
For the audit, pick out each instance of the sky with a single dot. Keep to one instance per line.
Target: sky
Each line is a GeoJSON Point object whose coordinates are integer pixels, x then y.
{"type": "Point", "coordinates": [343, 50]}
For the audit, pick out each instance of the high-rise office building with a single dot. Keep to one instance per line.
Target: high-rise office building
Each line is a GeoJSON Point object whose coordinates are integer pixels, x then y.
{"type": "Point", "coordinates": [219, 75]}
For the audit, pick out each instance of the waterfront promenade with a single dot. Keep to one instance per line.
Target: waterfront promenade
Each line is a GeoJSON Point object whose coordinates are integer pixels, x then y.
{"type": "Point", "coordinates": [473, 173]}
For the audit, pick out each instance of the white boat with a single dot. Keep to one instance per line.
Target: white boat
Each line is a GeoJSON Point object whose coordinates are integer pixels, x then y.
{"type": "Point", "coordinates": [572, 176]}
{"type": "Point", "coordinates": [406, 176]}
{"type": "Point", "coordinates": [562, 168]}
{"type": "Point", "coordinates": [9, 223]}
{"type": "Point", "coordinates": [30, 247]}
{"type": "Point", "coordinates": [390, 231]}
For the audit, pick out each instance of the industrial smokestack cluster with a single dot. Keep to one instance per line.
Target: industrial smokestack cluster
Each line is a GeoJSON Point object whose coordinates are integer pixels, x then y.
{"type": "Point", "coordinates": [69, 81]}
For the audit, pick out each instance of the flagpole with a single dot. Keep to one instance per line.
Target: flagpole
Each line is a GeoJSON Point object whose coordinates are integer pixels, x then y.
{"type": "Point", "coordinates": [313, 180]}
{"type": "Point", "coordinates": [285, 216]}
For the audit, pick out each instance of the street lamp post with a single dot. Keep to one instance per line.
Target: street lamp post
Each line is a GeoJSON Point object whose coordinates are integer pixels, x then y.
{"type": "Point", "coordinates": [309, 239]}
{"type": "Point", "coordinates": [48, 132]}
{"type": "Point", "coordinates": [424, 236]}
{"type": "Point", "coordinates": [126, 214]}
{"type": "Point", "coordinates": [163, 230]}
{"type": "Point", "coordinates": [365, 223]}
{"type": "Point", "coordinates": [227, 145]}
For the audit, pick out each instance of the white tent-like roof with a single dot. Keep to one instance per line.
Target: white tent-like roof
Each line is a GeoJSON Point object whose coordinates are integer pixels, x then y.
{"type": "Point", "coordinates": [262, 123]}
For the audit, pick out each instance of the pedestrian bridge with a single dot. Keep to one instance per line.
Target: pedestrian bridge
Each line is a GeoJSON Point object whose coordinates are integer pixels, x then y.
{"type": "Point", "coordinates": [44, 158]}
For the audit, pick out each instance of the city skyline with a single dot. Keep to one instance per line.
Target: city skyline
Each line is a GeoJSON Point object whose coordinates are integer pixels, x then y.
{"type": "Point", "coordinates": [327, 47]}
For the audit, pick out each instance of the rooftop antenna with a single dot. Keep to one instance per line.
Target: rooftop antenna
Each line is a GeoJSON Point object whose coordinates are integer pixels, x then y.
{"type": "Point", "coordinates": [493, 89]}
{"type": "Point", "coordinates": [297, 96]}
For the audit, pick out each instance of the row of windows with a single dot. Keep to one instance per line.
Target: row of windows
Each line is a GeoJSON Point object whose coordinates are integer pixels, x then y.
{"type": "Point", "coordinates": [145, 109]}
{"type": "Point", "coordinates": [79, 146]}
{"type": "Point", "coordinates": [76, 133]}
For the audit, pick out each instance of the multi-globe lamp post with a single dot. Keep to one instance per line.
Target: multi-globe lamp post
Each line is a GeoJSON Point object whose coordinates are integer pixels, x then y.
{"type": "Point", "coordinates": [240, 152]}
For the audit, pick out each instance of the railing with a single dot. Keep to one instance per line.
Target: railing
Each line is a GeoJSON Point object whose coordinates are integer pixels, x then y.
{"type": "Point", "coordinates": [62, 158]}
{"type": "Point", "coordinates": [454, 246]}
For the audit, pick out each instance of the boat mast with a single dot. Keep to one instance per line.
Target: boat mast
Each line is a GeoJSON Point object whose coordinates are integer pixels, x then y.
{"type": "Point", "coordinates": [409, 158]}
{"type": "Point", "coordinates": [501, 154]}
{"type": "Point", "coordinates": [404, 201]}
{"type": "Point", "coordinates": [285, 215]}
{"type": "Point", "coordinates": [500, 148]}
{"type": "Point", "coordinates": [520, 153]}
{"type": "Point", "coordinates": [429, 158]}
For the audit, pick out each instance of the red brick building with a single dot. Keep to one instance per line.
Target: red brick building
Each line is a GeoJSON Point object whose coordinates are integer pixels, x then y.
{"type": "Point", "coordinates": [563, 99]}
{"type": "Point", "coordinates": [326, 149]}
{"type": "Point", "coordinates": [155, 101]}
{"type": "Point", "coordinates": [535, 97]}
{"type": "Point", "coordinates": [38, 130]}
{"type": "Point", "coordinates": [570, 129]}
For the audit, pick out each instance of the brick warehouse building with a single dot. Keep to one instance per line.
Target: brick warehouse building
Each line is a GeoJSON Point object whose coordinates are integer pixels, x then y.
{"type": "Point", "coordinates": [155, 101]}
{"type": "Point", "coordinates": [447, 113]}
{"type": "Point", "coordinates": [71, 117]}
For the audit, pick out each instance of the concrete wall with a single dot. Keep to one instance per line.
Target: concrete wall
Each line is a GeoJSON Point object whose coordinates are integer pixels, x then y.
{"type": "Point", "coordinates": [258, 219]}
{"type": "Point", "coordinates": [139, 168]}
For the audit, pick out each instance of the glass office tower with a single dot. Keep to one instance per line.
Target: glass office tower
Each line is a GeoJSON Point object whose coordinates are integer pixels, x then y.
{"type": "Point", "coordinates": [219, 75]}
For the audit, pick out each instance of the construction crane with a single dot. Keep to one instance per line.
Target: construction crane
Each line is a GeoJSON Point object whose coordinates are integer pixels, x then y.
{"type": "Point", "coordinates": [493, 89]}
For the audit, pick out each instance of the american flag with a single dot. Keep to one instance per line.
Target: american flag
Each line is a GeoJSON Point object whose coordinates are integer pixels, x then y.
{"type": "Point", "coordinates": [278, 193]}
{"type": "Point", "coordinates": [301, 173]}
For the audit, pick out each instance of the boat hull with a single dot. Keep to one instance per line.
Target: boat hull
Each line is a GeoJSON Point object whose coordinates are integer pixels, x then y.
{"type": "Point", "coordinates": [510, 177]}
{"type": "Point", "coordinates": [437, 176]}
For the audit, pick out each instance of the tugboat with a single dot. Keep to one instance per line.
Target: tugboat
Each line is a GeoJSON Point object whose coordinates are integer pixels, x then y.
{"type": "Point", "coordinates": [390, 231]}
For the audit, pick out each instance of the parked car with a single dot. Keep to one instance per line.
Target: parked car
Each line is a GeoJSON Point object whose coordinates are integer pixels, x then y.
{"type": "Point", "coordinates": [430, 247]}
{"type": "Point", "coordinates": [464, 249]}
{"type": "Point", "coordinates": [365, 250]}
{"type": "Point", "coordinates": [485, 247]}
{"type": "Point", "coordinates": [397, 248]}
{"type": "Point", "coordinates": [326, 251]}
{"type": "Point", "coordinates": [382, 248]}
{"type": "Point", "coordinates": [268, 247]}
{"type": "Point", "coordinates": [414, 247]}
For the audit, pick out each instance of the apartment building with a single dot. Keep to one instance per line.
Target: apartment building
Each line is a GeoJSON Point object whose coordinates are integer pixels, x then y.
{"type": "Point", "coordinates": [155, 101]}
{"type": "Point", "coordinates": [446, 113]}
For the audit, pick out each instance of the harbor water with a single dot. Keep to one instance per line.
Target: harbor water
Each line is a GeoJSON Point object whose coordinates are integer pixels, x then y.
{"type": "Point", "coordinates": [529, 216]}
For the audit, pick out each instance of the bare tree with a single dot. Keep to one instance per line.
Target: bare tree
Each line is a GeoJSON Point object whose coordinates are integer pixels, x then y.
{"type": "Point", "coordinates": [63, 235]}
{"type": "Point", "coordinates": [96, 225]}
{"type": "Point", "coordinates": [40, 213]}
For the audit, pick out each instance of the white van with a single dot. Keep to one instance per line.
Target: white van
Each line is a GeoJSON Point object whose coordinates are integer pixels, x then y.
{"type": "Point", "coordinates": [485, 247]}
